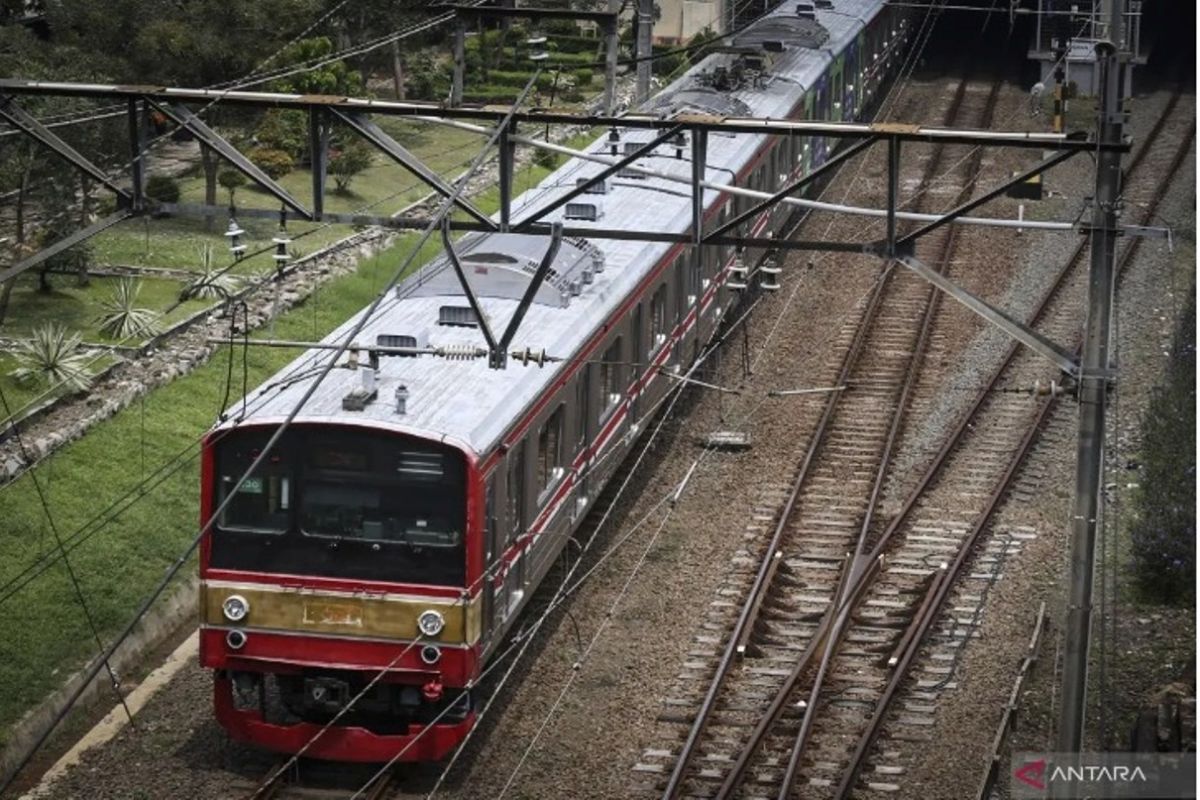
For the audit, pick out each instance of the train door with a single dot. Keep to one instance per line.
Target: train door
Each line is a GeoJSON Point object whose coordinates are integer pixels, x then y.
{"type": "Point", "coordinates": [852, 82]}
{"type": "Point", "coordinates": [822, 112]}
{"type": "Point", "coordinates": [835, 90]}
{"type": "Point", "coordinates": [637, 351]}
{"type": "Point", "coordinates": [517, 519]}
{"type": "Point", "coordinates": [809, 141]}
{"type": "Point", "coordinates": [493, 551]}
{"type": "Point", "coordinates": [681, 268]}
{"type": "Point", "coordinates": [585, 433]}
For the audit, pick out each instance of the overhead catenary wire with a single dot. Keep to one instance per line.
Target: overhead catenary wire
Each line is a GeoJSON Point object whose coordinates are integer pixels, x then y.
{"type": "Point", "coordinates": [445, 208]}
{"type": "Point", "coordinates": [574, 672]}
{"type": "Point", "coordinates": [129, 498]}
{"type": "Point", "coordinates": [264, 280]}
{"type": "Point", "coordinates": [75, 585]}
{"type": "Point", "coordinates": [569, 590]}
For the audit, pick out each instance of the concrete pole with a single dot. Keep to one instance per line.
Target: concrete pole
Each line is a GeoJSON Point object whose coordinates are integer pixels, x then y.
{"type": "Point", "coordinates": [645, 28]}
{"type": "Point", "coordinates": [460, 60]}
{"type": "Point", "coordinates": [1093, 387]}
{"type": "Point", "coordinates": [610, 64]}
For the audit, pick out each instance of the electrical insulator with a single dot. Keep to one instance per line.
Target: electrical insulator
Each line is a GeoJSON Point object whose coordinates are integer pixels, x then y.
{"type": "Point", "coordinates": [680, 141]}
{"type": "Point", "coordinates": [281, 241]}
{"type": "Point", "coordinates": [234, 234]}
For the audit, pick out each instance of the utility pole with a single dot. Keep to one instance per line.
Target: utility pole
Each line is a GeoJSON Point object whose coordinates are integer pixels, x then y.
{"type": "Point", "coordinates": [611, 29]}
{"type": "Point", "coordinates": [460, 61]}
{"type": "Point", "coordinates": [1094, 377]}
{"type": "Point", "coordinates": [645, 27]}
{"type": "Point", "coordinates": [1061, 50]}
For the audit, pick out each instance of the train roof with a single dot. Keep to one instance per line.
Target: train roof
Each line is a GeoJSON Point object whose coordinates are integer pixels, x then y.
{"type": "Point", "coordinates": [466, 403]}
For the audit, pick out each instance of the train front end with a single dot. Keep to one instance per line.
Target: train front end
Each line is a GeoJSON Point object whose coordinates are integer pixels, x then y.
{"type": "Point", "coordinates": [334, 602]}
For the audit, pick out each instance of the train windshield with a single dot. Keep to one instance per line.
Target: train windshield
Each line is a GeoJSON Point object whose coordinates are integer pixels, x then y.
{"type": "Point", "coordinates": [342, 503]}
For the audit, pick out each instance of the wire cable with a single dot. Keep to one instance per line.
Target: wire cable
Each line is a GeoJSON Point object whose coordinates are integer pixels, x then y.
{"type": "Point", "coordinates": [79, 596]}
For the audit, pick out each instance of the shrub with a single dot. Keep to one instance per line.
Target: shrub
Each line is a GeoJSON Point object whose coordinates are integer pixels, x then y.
{"type": "Point", "coordinates": [212, 282]}
{"type": "Point", "coordinates": [1163, 536]}
{"type": "Point", "coordinates": [231, 180]}
{"type": "Point", "coordinates": [545, 158]}
{"type": "Point", "coordinates": [48, 357]}
{"type": "Point", "coordinates": [354, 157]}
{"type": "Point", "coordinates": [583, 76]}
{"type": "Point", "coordinates": [122, 318]}
{"type": "Point", "coordinates": [276, 163]}
{"type": "Point", "coordinates": [162, 188]}
{"type": "Point", "coordinates": [285, 130]}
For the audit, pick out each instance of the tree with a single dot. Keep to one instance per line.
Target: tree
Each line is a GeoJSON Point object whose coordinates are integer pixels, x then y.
{"type": "Point", "coordinates": [56, 198]}
{"type": "Point", "coordinates": [197, 43]}
{"type": "Point", "coordinates": [348, 161]}
{"type": "Point", "coordinates": [231, 180]}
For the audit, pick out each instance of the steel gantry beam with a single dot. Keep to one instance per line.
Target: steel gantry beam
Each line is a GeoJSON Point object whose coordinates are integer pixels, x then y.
{"type": "Point", "coordinates": [498, 347]}
{"type": "Point", "coordinates": [20, 118]}
{"type": "Point", "coordinates": [210, 138]}
{"type": "Point", "coordinates": [496, 114]}
{"type": "Point", "coordinates": [604, 174]}
{"type": "Point", "coordinates": [905, 243]}
{"type": "Point", "coordinates": [366, 128]}
{"type": "Point", "coordinates": [64, 243]}
{"type": "Point", "coordinates": [795, 186]}
{"type": "Point", "coordinates": [322, 110]}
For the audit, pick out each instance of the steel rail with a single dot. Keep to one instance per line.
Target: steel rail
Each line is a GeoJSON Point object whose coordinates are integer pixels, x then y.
{"type": "Point", "coordinates": [862, 569]}
{"type": "Point", "coordinates": [863, 579]}
{"type": "Point", "coordinates": [933, 608]}
{"type": "Point", "coordinates": [1009, 720]}
{"type": "Point", "coordinates": [773, 555]}
{"type": "Point", "coordinates": [1034, 317]}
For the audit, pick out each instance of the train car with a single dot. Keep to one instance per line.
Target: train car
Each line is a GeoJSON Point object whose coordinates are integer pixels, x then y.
{"type": "Point", "coordinates": [396, 532]}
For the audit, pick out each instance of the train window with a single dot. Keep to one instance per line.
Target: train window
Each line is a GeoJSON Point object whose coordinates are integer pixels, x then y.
{"type": "Point", "coordinates": [610, 378]}
{"type": "Point", "coordinates": [516, 491]}
{"type": "Point", "coordinates": [260, 504]}
{"type": "Point", "coordinates": [549, 463]}
{"type": "Point", "coordinates": [658, 319]}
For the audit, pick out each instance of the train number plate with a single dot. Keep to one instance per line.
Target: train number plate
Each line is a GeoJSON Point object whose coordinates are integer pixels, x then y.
{"type": "Point", "coordinates": [332, 614]}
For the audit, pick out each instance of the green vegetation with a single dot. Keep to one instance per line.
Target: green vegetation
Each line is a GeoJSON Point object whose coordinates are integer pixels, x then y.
{"type": "Point", "coordinates": [181, 243]}
{"type": "Point", "coordinates": [123, 318]}
{"type": "Point", "coordinates": [122, 560]}
{"type": "Point", "coordinates": [51, 355]}
{"type": "Point", "coordinates": [1163, 536]}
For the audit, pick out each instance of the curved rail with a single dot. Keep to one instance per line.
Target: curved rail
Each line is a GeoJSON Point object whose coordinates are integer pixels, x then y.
{"type": "Point", "coordinates": [862, 569]}
{"type": "Point", "coordinates": [739, 638]}
{"type": "Point", "coordinates": [932, 608]}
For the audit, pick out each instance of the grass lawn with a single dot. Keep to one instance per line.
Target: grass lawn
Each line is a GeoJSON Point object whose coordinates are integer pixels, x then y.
{"type": "Point", "coordinates": [179, 242]}
{"type": "Point", "coordinates": [46, 634]}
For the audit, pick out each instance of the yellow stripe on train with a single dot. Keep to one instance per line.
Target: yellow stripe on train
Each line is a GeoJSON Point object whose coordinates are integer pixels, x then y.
{"type": "Point", "coordinates": [384, 616]}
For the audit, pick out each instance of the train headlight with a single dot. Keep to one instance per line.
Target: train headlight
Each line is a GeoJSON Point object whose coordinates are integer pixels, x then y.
{"type": "Point", "coordinates": [431, 622]}
{"type": "Point", "coordinates": [235, 608]}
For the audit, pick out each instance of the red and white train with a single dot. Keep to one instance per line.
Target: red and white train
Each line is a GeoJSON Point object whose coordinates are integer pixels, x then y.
{"type": "Point", "coordinates": [405, 537]}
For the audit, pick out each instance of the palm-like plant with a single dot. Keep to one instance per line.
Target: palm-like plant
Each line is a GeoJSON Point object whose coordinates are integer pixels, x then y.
{"type": "Point", "coordinates": [48, 356]}
{"type": "Point", "coordinates": [212, 283]}
{"type": "Point", "coordinates": [122, 318]}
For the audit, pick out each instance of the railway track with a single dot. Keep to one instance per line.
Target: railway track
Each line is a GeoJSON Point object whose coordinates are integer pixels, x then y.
{"type": "Point", "coordinates": [789, 594]}
{"type": "Point", "coordinates": [297, 781]}
{"type": "Point", "coordinates": [823, 675]}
